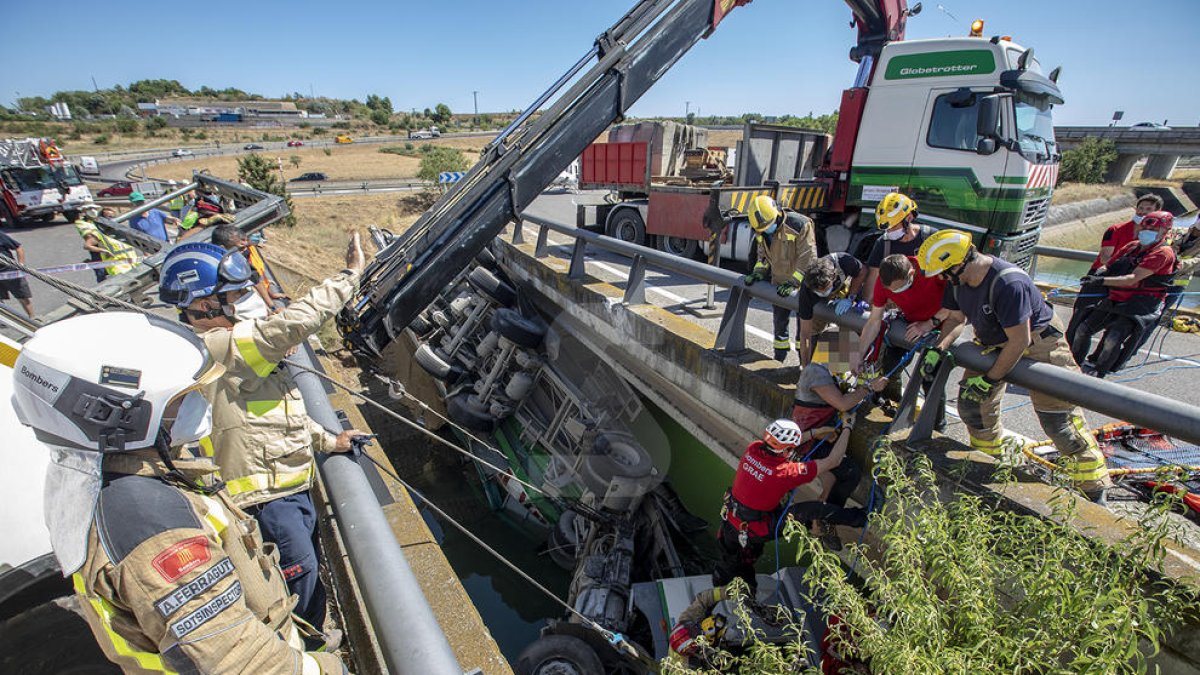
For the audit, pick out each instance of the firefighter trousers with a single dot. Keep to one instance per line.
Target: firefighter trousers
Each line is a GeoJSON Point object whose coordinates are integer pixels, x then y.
{"type": "Point", "coordinates": [291, 524]}
{"type": "Point", "coordinates": [781, 317]}
{"type": "Point", "coordinates": [1080, 457]}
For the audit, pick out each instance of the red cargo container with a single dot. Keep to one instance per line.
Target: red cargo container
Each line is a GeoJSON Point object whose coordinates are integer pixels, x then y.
{"type": "Point", "coordinates": [615, 166]}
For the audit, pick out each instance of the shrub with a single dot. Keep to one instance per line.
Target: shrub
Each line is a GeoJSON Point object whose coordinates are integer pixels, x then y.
{"type": "Point", "coordinates": [201, 135]}
{"type": "Point", "coordinates": [126, 125]}
{"type": "Point", "coordinates": [318, 131]}
{"type": "Point", "coordinates": [328, 151]}
{"type": "Point", "coordinates": [380, 117]}
{"type": "Point", "coordinates": [1088, 162]}
{"type": "Point", "coordinates": [155, 123]}
{"type": "Point", "coordinates": [437, 160]}
{"type": "Point", "coordinates": [295, 161]}
{"type": "Point", "coordinates": [261, 173]}
{"type": "Point", "coordinates": [102, 139]}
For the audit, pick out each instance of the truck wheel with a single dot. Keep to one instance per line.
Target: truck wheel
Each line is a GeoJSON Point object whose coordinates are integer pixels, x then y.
{"type": "Point", "coordinates": [559, 655]}
{"type": "Point", "coordinates": [46, 218]}
{"type": "Point", "coordinates": [562, 544]}
{"type": "Point", "coordinates": [420, 326]}
{"type": "Point", "coordinates": [489, 285]}
{"type": "Point", "coordinates": [7, 219]}
{"type": "Point", "coordinates": [466, 410]}
{"type": "Point", "coordinates": [49, 639]}
{"type": "Point", "coordinates": [684, 248]}
{"type": "Point", "coordinates": [525, 332]}
{"type": "Point", "coordinates": [437, 365]}
{"type": "Point", "coordinates": [614, 454]}
{"type": "Point", "coordinates": [71, 216]}
{"type": "Point", "coordinates": [627, 225]}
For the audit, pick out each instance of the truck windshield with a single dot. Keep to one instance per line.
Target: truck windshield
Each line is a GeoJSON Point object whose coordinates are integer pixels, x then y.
{"type": "Point", "coordinates": [45, 178]}
{"type": "Point", "coordinates": [1035, 131]}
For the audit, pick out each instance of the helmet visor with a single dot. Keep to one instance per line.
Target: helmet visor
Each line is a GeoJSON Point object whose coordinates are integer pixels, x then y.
{"type": "Point", "coordinates": [233, 268]}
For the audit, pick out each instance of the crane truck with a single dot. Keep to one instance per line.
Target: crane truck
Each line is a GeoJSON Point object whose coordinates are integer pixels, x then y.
{"type": "Point", "coordinates": [37, 182]}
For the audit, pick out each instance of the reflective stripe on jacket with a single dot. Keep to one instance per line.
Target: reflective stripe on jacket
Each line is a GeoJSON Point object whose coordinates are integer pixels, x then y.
{"type": "Point", "coordinates": [124, 256]}
{"type": "Point", "coordinates": [262, 437]}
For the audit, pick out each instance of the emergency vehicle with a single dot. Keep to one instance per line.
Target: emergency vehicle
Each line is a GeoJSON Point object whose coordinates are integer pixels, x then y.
{"type": "Point", "coordinates": [38, 183]}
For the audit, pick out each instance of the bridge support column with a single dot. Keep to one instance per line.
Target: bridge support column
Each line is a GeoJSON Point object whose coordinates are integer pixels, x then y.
{"type": "Point", "coordinates": [1160, 166]}
{"type": "Point", "coordinates": [1121, 168]}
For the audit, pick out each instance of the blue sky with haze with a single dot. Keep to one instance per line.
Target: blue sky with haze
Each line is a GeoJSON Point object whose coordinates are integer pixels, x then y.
{"type": "Point", "coordinates": [772, 56]}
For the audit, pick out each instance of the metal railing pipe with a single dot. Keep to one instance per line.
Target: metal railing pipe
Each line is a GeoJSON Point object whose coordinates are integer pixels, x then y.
{"type": "Point", "coordinates": [162, 199]}
{"type": "Point", "coordinates": [408, 633]}
{"type": "Point", "coordinates": [1149, 410]}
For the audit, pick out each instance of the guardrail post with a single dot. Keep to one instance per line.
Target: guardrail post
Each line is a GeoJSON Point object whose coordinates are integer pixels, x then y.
{"type": "Point", "coordinates": [922, 429]}
{"type": "Point", "coordinates": [539, 251]}
{"type": "Point", "coordinates": [518, 236]}
{"type": "Point", "coordinates": [635, 287]}
{"type": "Point", "coordinates": [577, 269]}
{"type": "Point", "coordinates": [731, 336]}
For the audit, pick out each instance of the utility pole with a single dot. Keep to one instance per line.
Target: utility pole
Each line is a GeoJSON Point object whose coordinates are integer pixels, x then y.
{"type": "Point", "coordinates": [687, 108]}
{"type": "Point", "coordinates": [310, 91]}
{"type": "Point", "coordinates": [94, 85]}
{"type": "Point", "coordinates": [475, 95]}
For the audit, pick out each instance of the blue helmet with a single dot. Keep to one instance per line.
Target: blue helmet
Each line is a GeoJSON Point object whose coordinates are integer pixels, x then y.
{"type": "Point", "coordinates": [197, 270]}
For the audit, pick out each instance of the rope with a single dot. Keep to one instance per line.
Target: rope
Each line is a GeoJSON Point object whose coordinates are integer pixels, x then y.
{"type": "Point", "coordinates": [92, 298]}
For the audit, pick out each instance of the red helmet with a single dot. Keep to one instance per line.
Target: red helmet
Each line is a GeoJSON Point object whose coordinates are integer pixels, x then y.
{"type": "Point", "coordinates": [1158, 220]}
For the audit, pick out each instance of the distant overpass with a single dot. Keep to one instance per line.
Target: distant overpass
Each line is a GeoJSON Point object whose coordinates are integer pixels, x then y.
{"type": "Point", "coordinates": [1163, 147]}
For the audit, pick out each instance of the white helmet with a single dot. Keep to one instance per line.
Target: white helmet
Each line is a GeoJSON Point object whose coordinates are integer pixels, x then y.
{"type": "Point", "coordinates": [782, 435]}
{"type": "Point", "coordinates": [135, 376]}
{"type": "Point", "coordinates": [172, 183]}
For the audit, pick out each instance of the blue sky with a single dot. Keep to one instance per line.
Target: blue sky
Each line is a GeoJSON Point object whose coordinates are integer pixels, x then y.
{"type": "Point", "coordinates": [772, 56]}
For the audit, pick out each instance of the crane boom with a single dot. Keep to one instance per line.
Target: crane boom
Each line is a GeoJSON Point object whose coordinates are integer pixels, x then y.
{"type": "Point", "coordinates": [521, 161]}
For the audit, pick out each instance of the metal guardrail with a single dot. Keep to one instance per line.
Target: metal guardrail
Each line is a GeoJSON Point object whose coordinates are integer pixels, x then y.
{"type": "Point", "coordinates": [409, 637]}
{"type": "Point", "coordinates": [1115, 400]}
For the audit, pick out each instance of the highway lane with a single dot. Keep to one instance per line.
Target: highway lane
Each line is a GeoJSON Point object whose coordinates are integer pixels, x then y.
{"type": "Point", "coordinates": [1168, 370]}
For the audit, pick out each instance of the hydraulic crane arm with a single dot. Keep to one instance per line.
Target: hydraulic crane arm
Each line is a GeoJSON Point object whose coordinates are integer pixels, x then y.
{"type": "Point", "coordinates": [525, 158]}
{"type": "Point", "coordinates": [879, 22]}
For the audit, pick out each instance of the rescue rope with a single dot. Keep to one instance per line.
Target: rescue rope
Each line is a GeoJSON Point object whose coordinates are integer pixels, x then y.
{"type": "Point", "coordinates": [93, 299]}
{"type": "Point", "coordinates": [1029, 448]}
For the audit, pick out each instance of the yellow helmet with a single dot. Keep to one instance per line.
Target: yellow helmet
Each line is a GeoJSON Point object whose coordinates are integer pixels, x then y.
{"type": "Point", "coordinates": [942, 250]}
{"type": "Point", "coordinates": [893, 209]}
{"type": "Point", "coordinates": [763, 213]}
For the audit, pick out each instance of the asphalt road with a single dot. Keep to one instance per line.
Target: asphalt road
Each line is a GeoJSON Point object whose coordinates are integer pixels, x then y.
{"type": "Point", "coordinates": [1168, 370]}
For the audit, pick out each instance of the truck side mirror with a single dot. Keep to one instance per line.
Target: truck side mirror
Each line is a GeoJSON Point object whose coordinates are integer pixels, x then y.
{"type": "Point", "coordinates": [987, 124]}
{"type": "Point", "coordinates": [985, 146]}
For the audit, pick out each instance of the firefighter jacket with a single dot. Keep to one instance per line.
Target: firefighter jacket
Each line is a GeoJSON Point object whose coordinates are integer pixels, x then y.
{"type": "Point", "coordinates": [262, 437]}
{"type": "Point", "coordinates": [787, 253]}
{"type": "Point", "coordinates": [1187, 251]}
{"type": "Point", "coordinates": [178, 581]}
{"type": "Point", "coordinates": [124, 256]}
{"type": "Point", "coordinates": [762, 480]}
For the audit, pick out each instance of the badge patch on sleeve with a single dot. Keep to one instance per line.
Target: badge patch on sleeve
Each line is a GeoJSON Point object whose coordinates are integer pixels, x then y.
{"type": "Point", "coordinates": [120, 377]}
{"type": "Point", "coordinates": [181, 557]}
{"type": "Point", "coordinates": [210, 609]}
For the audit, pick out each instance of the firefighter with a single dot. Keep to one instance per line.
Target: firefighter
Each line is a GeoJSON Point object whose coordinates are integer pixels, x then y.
{"type": "Point", "coordinates": [171, 575]}
{"type": "Point", "coordinates": [1010, 316]}
{"type": "Point", "coordinates": [786, 246]}
{"type": "Point", "coordinates": [263, 440]}
{"type": "Point", "coordinates": [896, 215]}
{"type": "Point", "coordinates": [753, 511]}
{"type": "Point", "coordinates": [1136, 280]}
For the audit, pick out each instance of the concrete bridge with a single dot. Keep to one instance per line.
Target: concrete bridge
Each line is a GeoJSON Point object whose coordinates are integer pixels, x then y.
{"type": "Point", "coordinates": [1163, 147]}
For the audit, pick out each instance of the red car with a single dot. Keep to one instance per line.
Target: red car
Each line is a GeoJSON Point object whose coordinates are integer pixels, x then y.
{"type": "Point", "coordinates": [295, 144]}
{"type": "Point", "coordinates": [118, 189]}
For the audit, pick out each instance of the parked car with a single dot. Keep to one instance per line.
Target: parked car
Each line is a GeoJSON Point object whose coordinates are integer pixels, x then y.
{"type": "Point", "coordinates": [1149, 126]}
{"type": "Point", "coordinates": [312, 175]}
{"type": "Point", "coordinates": [343, 138]}
{"type": "Point", "coordinates": [252, 146]}
{"type": "Point", "coordinates": [295, 144]}
{"type": "Point", "coordinates": [118, 189]}
{"type": "Point", "coordinates": [182, 152]}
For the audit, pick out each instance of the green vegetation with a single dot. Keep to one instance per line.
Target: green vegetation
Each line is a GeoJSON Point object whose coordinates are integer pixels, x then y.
{"type": "Point", "coordinates": [823, 123]}
{"type": "Point", "coordinates": [955, 585]}
{"type": "Point", "coordinates": [1088, 162]}
{"type": "Point", "coordinates": [408, 150]}
{"type": "Point", "coordinates": [435, 160]}
{"type": "Point", "coordinates": [261, 173]}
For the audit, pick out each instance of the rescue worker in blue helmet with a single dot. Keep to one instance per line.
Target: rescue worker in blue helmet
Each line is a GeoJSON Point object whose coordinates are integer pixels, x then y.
{"type": "Point", "coordinates": [1011, 318]}
{"type": "Point", "coordinates": [171, 575]}
{"type": "Point", "coordinates": [262, 439]}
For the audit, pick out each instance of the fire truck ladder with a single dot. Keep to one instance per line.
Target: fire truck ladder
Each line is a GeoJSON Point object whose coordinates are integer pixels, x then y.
{"type": "Point", "coordinates": [521, 161]}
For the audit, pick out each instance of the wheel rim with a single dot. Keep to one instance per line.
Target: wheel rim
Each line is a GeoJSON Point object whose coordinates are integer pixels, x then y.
{"type": "Point", "coordinates": [626, 230]}
{"type": "Point", "coordinates": [677, 245]}
{"type": "Point", "coordinates": [624, 454]}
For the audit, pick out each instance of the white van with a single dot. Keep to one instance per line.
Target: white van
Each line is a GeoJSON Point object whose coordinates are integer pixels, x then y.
{"type": "Point", "coordinates": [88, 166]}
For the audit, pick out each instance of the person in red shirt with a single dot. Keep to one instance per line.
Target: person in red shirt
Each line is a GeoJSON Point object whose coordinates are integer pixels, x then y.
{"type": "Point", "coordinates": [1115, 238]}
{"type": "Point", "coordinates": [765, 475]}
{"type": "Point", "coordinates": [1136, 279]}
{"type": "Point", "coordinates": [918, 298]}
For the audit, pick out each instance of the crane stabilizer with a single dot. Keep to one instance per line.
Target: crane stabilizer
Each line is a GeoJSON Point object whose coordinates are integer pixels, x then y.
{"type": "Point", "coordinates": [521, 162]}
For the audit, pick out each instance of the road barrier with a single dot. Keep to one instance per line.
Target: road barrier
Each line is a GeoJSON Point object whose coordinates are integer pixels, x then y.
{"type": "Point", "coordinates": [1115, 400]}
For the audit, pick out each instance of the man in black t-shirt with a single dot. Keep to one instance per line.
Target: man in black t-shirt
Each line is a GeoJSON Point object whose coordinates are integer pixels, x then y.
{"type": "Point", "coordinates": [837, 276]}
{"type": "Point", "coordinates": [1009, 314]}
{"type": "Point", "coordinates": [896, 215]}
{"type": "Point", "coordinates": [19, 287]}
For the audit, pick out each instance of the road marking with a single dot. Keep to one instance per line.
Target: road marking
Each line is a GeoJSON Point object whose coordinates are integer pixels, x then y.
{"type": "Point", "coordinates": [678, 299]}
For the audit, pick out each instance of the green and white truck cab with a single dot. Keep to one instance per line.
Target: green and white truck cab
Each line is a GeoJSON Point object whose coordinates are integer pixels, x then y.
{"type": "Point", "coordinates": [964, 126]}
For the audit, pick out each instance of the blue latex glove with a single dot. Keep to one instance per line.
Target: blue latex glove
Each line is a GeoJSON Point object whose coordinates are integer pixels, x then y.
{"type": "Point", "coordinates": [845, 305]}
{"type": "Point", "coordinates": [976, 388]}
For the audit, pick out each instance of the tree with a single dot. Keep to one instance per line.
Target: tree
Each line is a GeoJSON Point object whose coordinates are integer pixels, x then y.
{"type": "Point", "coordinates": [262, 174]}
{"type": "Point", "coordinates": [295, 161]}
{"type": "Point", "coordinates": [441, 114]}
{"type": "Point", "coordinates": [435, 160]}
{"type": "Point", "coordinates": [376, 103]}
{"type": "Point", "coordinates": [380, 117]}
{"type": "Point", "coordinates": [155, 123]}
{"type": "Point", "coordinates": [957, 586]}
{"type": "Point", "coordinates": [1088, 162]}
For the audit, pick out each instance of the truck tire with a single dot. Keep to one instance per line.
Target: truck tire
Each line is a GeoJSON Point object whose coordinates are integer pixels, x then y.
{"type": "Point", "coordinates": [46, 218]}
{"type": "Point", "coordinates": [71, 216]}
{"type": "Point", "coordinates": [614, 454]}
{"type": "Point", "coordinates": [434, 363]}
{"type": "Point", "coordinates": [561, 543]}
{"type": "Point", "coordinates": [684, 248]}
{"type": "Point", "coordinates": [523, 331]}
{"type": "Point", "coordinates": [49, 639]}
{"type": "Point", "coordinates": [627, 225]}
{"type": "Point", "coordinates": [7, 219]}
{"type": "Point", "coordinates": [467, 411]}
{"type": "Point", "coordinates": [559, 655]}
{"type": "Point", "coordinates": [420, 326]}
{"type": "Point", "coordinates": [491, 287]}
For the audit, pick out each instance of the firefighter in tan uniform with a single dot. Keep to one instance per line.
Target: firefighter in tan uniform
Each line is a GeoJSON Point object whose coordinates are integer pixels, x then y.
{"type": "Point", "coordinates": [263, 439]}
{"type": "Point", "coordinates": [786, 246]}
{"type": "Point", "coordinates": [172, 576]}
